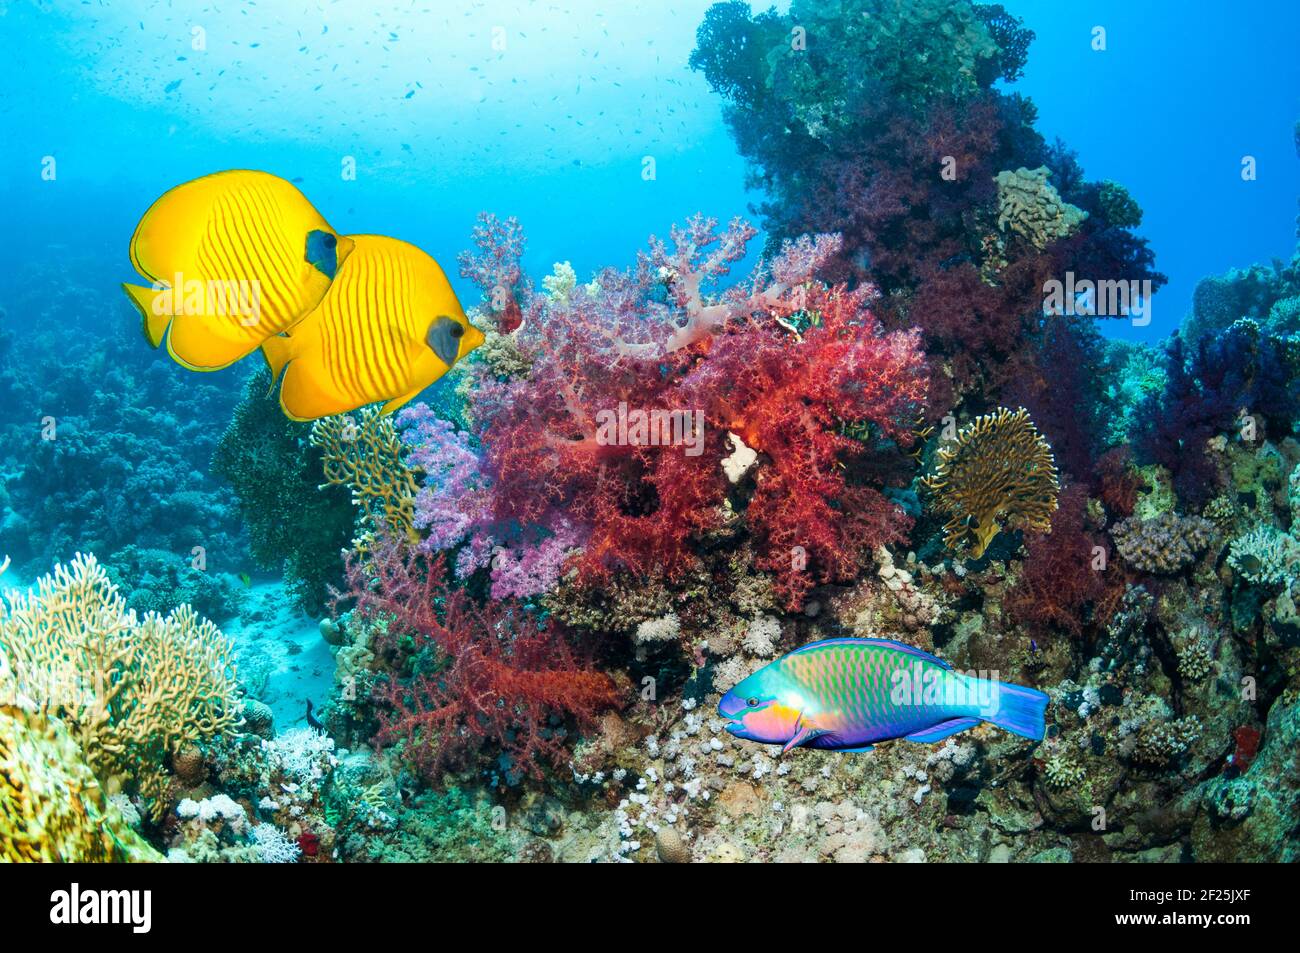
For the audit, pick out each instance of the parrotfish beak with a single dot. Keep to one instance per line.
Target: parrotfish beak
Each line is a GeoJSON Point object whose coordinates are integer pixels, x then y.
{"type": "Point", "coordinates": [730, 708]}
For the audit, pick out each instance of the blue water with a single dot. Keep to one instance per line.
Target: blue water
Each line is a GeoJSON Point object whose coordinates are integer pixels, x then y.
{"type": "Point", "coordinates": [1183, 91]}
{"type": "Point", "coordinates": [554, 128]}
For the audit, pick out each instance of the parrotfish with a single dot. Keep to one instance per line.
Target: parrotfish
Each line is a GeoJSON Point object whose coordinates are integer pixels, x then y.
{"type": "Point", "coordinates": [846, 694]}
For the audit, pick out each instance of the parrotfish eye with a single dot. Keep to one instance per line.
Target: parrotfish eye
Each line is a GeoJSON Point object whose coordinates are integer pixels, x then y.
{"type": "Point", "coordinates": [751, 702]}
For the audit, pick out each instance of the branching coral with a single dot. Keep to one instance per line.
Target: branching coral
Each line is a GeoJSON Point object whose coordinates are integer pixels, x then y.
{"type": "Point", "coordinates": [132, 691]}
{"type": "Point", "coordinates": [364, 453]}
{"type": "Point", "coordinates": [478, 674]}
{"type": "Point", "coordinates": [1265, 556]}
{"type": "Point", "coordinates": [52, 808]}
{"type": "Point", "coordinates": [998, 474]}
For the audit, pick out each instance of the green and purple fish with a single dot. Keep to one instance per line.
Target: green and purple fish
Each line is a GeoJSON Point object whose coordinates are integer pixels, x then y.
{"type": "Point", "coordinates": [847, 694]}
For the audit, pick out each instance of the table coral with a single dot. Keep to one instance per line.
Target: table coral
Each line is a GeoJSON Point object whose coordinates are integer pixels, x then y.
{"type": "Point", "coordinates": [999, 473]}
{"type": "Point", "coordinates": [132, 690]}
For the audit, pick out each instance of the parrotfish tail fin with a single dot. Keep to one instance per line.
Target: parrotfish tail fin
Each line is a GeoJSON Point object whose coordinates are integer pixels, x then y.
{"type": "Point", "coordinates": [1020, 710]}
{"type": "Point", "coordinates": [155, 325]}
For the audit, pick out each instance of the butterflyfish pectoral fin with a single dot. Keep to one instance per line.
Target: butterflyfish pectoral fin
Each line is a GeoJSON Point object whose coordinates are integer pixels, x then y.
{"type": "Point", "coordinates": [144, 299]}
{"type": "Point", "coordinates": [942, 730]}
{"type": "Point", "coordinates": [277, 352]}
{"type": "Point", "coordinates": [397, 402]}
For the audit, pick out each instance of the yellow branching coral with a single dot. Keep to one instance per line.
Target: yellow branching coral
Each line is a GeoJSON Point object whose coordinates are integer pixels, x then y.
{"type": "Point", "coordinates": [131, 691]}
{"type": "Point", "coordinates": [52, 808]}
{"type": "Point", "coordinates": [997, 474]}
{"type": "Point", "coordinates": [364, 454]}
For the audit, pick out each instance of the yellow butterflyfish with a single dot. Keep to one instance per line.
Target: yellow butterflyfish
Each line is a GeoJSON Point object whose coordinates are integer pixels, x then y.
{"type": "Point", "coordinates": [234, 257]}
{"type": "Point", "coordinates": [388, 327]}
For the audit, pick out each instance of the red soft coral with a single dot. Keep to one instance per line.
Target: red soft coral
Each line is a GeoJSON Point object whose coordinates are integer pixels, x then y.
{"type": "Point", "coordinates": [794, 398]}
{"type": "Point", "coordinates": [493, 673]}
{"type": "Point", "coordinates": [800, 371]}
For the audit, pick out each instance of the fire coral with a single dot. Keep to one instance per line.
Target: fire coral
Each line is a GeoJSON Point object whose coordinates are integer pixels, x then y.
{"type": "Point", "coordinates": [999, 472]}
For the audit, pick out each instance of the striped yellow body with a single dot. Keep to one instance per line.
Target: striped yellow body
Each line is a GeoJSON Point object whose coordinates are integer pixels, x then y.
{"type": "Point", "coordinates": [367, 341]}
{"type": "Point", "coordinates": [230, 250]}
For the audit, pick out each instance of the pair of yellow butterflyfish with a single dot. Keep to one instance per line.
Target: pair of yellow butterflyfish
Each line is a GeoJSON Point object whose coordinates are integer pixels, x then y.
{"type": "Point", "coordinates": [241, 260]}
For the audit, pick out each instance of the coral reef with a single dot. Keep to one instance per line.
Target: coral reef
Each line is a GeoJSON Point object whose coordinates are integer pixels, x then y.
{"type": "Point", "coordinates": [295, 526]}
{"type": "Point", "coordinates": [364, 454]}
{"type": "Point", "coordinates": [473, 673]}
{"type": "Point", "coordinates": [1163, 544]}
{"type": "Point", "coordinates": [1032, 210]}
{"type": "Point", "coordinates": [889, 131]}
{"type": "Point", "coordinates": [795, 370]}
{"type": "Point", "coordinates": [52, 807]}
{"type": "Point", "coordinates": [132, 691]}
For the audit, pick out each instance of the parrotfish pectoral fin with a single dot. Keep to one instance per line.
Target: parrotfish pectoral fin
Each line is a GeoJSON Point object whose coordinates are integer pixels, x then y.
{"type": "Point", "coordinates": [803, 734]}
{"type": "Point", "coordinates": [942, 730]}
{"type": "Point", "coordinates": [1019, 710]}
{"type": "Point", "coordinates": [861, 750]}
{"type": "Point", "coordinates": [155, 325]}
